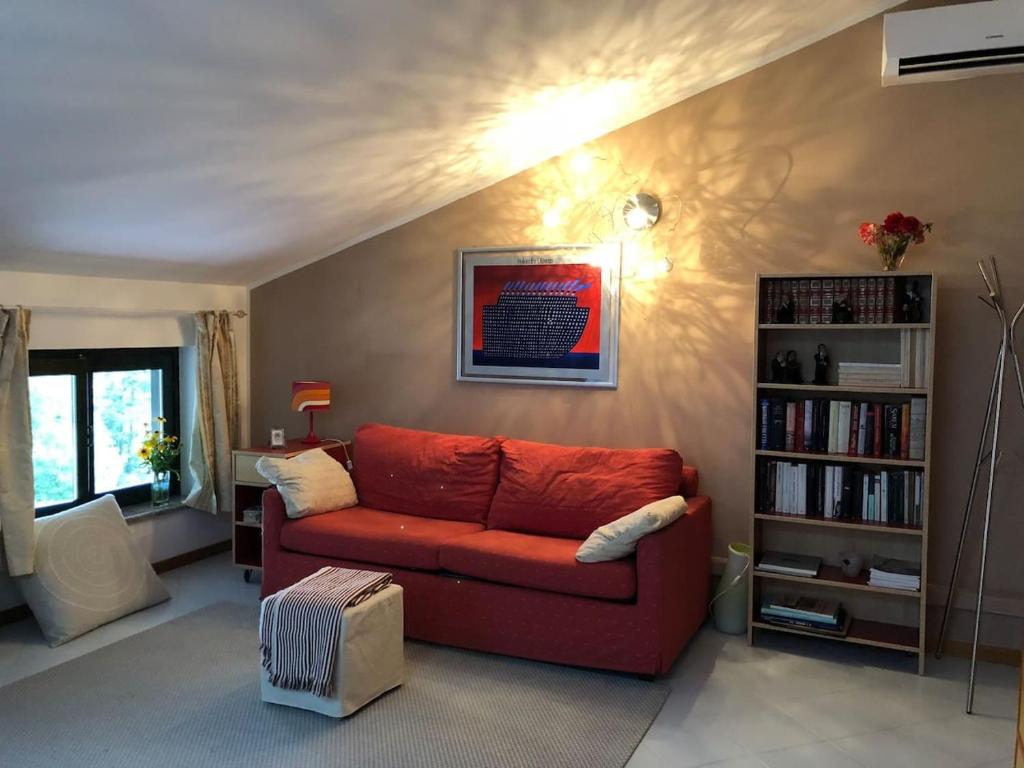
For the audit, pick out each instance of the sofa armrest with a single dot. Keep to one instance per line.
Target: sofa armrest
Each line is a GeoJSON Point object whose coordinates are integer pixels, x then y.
{"type": "Point", "coordinates": [674, 577]}
{"type": "Point", "coordinates": [273, 518]}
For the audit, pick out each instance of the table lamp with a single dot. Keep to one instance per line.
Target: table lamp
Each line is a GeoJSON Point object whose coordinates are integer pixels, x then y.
{"type": "Point", "coordinates": [311, 396]}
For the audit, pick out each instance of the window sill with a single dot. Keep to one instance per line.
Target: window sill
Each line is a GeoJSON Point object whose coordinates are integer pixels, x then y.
{"type": "Point", "coordinates": [136, 512]}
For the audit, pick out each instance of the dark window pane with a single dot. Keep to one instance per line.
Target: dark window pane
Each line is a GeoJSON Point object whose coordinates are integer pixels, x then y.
{"type": "Point", "coordinates": [54, 447]}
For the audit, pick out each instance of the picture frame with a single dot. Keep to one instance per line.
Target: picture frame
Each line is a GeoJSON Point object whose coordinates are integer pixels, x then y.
{"type": "Point", "coordinates": [277, 439]}
{"type": "Point", "coordinates": [540, 314]}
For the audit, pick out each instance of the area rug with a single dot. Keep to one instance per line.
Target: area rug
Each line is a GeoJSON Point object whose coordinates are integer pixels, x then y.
{"type": "Point", "coordinates": [186, 693]}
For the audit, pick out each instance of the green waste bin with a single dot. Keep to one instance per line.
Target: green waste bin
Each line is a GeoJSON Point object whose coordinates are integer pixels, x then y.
{"type": "Point", "coordinates": [729, 605]}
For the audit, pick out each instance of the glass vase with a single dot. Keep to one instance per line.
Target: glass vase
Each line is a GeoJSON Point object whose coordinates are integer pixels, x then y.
{"type": "Point", "coordinates": [161, 488]}
{"type": "Point", "coordinates": [892, 259]}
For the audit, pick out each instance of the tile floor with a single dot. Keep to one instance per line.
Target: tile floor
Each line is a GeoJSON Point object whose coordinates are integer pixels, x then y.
{"type": "Point", "coordinates": [786, 702]}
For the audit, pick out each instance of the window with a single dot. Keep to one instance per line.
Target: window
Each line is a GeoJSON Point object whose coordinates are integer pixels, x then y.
{"type": "Point", "coordinates": [90, 411]}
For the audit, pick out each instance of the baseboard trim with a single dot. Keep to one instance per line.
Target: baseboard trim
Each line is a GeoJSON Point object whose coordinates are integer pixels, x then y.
{"type": "Point", "coordinates": [19, 612]}
{"type": "Point", "coordinates": [991, 653]}
{"type": "Point", "coordinates": [193, 556]}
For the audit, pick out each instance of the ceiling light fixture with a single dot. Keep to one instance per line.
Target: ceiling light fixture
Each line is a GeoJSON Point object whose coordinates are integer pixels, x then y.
{"type": "Point", "coordinates": [641, 211]}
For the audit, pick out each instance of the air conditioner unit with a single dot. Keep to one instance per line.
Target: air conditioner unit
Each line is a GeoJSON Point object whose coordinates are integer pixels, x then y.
{"type": "Point", "coordinates": [953, 42]}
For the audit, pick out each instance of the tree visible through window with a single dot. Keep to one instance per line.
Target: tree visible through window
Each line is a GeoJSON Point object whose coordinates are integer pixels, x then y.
{"type": "Point", "coordinates": [91, 410]}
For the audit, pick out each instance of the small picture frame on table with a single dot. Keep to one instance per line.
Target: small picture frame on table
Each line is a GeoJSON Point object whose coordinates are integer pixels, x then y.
{"type": "Point", "coordinates": [277, 438]}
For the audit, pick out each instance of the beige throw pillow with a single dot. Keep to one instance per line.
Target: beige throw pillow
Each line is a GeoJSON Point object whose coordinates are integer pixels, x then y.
{"type": "Point", "coordinates": [88, 571]}
{"type": "Point", "coordinates": [310, 483]}
{"type": "Point", "coordinates": [619, 537]}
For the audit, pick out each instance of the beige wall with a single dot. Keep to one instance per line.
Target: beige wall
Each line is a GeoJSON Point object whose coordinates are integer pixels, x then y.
{"type": "Point", "coordinates": [770, 172]}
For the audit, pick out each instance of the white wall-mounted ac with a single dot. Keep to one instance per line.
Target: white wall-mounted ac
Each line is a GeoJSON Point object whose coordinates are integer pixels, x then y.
{"type": "Point", "coordinates": [953, 42]}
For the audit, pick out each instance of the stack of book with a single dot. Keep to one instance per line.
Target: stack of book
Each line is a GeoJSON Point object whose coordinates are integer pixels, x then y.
{"type": "Point", "coordinates": [789, 564]}
{"type": "Point", "coordinates": [895, 574]}
{"type": "Point", "coordinates": [826, 617]}
{"type": "Point", "coordinates": [873, 300]}
{"type": "Point", "coordinates": [871, 374]}
{"type": "Point", "coordinates": [914, 357]}
{"type": "Point", "coordinates": [883, 430]}
{"type": "Point", "coordinates": [841, 492]}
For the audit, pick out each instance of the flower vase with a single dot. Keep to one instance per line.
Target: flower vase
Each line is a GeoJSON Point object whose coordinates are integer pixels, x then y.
{"type": "Point", "coordinates": [893, 259]}
{"type": "Point", "coordinates": [161, 488]}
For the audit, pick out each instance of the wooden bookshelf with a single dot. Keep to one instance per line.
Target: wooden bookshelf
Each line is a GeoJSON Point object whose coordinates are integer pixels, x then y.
{"type": "Point", "coordinates": [779, 517]}
{"type": "Point", "coordinates": [882, 617]}
{"type": "Point", "coordinates": [832, 576]}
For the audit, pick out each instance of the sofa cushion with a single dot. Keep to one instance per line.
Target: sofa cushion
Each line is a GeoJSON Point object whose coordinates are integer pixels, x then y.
{"type": "Point", "coordinates": [538, 562]}
{"type": "Point", "coordinates": [374, 536]}
{"type": "Point", "coordinates": [554, 490]}
{"type": "Point", "coordinates": [428, 474]}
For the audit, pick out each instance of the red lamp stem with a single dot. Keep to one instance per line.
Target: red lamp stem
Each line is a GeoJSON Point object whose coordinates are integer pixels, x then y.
{"type": "Point", "coordinates": [311, 438]}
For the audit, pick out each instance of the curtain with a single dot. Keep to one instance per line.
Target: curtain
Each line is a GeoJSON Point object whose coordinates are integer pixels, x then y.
{"type": "Point", "coordinates": [215, 432]}
{"type": "Point", "coordinates": [17, 483]}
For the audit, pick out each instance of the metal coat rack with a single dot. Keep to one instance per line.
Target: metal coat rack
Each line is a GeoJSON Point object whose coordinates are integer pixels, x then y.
{"type": "Point", "coordinates": [993, 411]}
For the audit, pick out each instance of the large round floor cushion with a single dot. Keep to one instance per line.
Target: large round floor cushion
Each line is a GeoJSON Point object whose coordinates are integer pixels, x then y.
{"type": "Point", "coordinates": [88, 571]}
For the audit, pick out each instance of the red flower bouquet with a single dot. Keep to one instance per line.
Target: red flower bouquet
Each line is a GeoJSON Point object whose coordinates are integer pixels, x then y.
{"type": "Point", "coordinates": [893, 236]}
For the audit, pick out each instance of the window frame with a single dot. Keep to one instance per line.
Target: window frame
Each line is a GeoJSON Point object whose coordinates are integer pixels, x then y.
{"type": "Point", "coordinates": [82, 364]}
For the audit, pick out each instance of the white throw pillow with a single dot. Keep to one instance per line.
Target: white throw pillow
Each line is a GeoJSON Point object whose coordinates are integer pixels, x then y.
{"type": "Point", "coordinates": [619, 537]}
{"type": "Point", "coordinates": [88, 571]}
{"type": "Point", "coordinates": [310, 483]}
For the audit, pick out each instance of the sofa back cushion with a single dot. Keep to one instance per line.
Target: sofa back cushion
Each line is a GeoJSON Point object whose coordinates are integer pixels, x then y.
{"type": "Point", "coordinates": [554, 490]}
{"type": "Point", "coordinates": [450, 477]}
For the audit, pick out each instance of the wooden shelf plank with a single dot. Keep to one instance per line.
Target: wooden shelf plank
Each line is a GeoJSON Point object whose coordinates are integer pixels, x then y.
{"type": "Point", "coordinates": [842, 458]}
{"type": "Point", "coordinates": [853, 388]}
{"type": "Point", "coordinates": [878, 634]}
{"type": "Point", "coordinates": [836, 523]}
{"type": "Point", "coordinates": [843, 326]}
{"type": "Point", "coordinates": [245, 524]}
{"type": "Point", "coordinates": [832, 576]}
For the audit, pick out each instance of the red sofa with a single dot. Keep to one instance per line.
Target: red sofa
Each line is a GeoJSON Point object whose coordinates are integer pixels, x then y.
{"type": "Point", "coordinates": [482, 535]}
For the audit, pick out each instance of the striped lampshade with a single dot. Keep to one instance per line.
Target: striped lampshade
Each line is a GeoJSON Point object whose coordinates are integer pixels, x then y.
{"type": "Point", "coordinates": [311, 395]}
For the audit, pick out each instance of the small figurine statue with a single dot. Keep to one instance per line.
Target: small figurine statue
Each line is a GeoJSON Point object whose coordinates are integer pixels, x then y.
{"type": "Point", "coordinates": [821, 364]}
{"type": "Point", "coordinates": [793, 368]}
{"type": "Point", "coordinates": [786, 312]}
{"type": "Point", "coordinates": [842, 312]}
{"type": "Point", "coordinates": [779, 369]}
{"type": "Point", "coordinates": [911, 307]}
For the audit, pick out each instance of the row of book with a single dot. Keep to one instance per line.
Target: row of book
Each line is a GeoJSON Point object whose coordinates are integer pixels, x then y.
{"type": "Point", "coordinates": [826, 617]}
{"type": "Point", "coordinates": [876, 430]}
{"type": "Point", "coordinates": [872, 300]}
{"type": "Point", "coordinates": [841, 492]}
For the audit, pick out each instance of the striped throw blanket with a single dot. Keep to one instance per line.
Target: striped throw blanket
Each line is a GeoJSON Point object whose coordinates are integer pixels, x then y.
{"type": "Point", "coordinates": [300, 625]}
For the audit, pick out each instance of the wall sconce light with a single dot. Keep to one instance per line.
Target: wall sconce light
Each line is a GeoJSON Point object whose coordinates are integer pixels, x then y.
{"type": "Point", "coordinates": [641, 211]}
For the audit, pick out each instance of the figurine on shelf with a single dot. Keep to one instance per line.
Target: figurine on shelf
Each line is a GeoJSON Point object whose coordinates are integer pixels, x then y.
{"type": "Point", "coordinates": [786, 312]}
{"type": "Point", "coordinates": [793, 368]}
{"type": "Point", "coordinates": [821, 364]}
{"type": "Point", "coordinates": [911, 307]}
{"type": "Point", "coordinates": [779, 369]}
{"type": "Point", "coordinates": [842, 312]}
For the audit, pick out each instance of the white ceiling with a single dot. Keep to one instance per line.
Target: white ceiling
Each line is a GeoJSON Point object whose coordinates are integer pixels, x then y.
{"type": "Point", "coordinates": [231, 140]}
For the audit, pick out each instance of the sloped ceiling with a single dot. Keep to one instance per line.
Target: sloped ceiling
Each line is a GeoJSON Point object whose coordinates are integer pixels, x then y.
{"type": "Point", "coordinates": [230, 140]}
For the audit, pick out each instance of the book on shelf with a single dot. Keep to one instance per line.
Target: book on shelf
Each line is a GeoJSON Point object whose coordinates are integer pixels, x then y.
{"type": "Point", "coordinates": [840, 492]}
{"type": "Point", "coordinates": [840, 628]}
{"type": "Point", "coordinates": [873, 300]}
{"type": "Point", "coordinates": [852, 428]}
{"type": "Point", "coordinates": [807, 613]}
{"type": "Point", "coordinates": [789, 564]}
{"type": "Point", "coordinates": [895, 574]}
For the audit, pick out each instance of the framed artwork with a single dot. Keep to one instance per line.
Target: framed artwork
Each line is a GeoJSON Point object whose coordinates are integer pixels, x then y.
{"type": "Point", "coordinates": [539, 315]}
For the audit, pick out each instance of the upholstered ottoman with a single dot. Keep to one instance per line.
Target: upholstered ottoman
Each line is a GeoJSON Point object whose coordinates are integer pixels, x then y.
{"type": "Point", "coordinates": [370, 659]}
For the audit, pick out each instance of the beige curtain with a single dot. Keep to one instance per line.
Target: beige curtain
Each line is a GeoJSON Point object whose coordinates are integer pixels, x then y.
{"type": "Point", "coordinates": [17, 483]}
{"type": "Point", "coordinates": [215, 433]}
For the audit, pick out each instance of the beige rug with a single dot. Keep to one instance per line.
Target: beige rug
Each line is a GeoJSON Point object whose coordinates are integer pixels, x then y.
{"type": "Point", "coordinates": [186, 693]}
